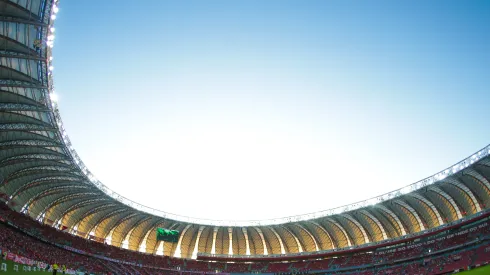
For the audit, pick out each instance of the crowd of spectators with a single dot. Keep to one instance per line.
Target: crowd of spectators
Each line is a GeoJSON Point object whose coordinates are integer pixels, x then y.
{"type": "Point", "coordinates": [460, 248]}
{"type": "Point", "coordinates": [12, 240]}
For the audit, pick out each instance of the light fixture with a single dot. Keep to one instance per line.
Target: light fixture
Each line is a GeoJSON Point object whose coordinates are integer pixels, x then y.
{"type": "Point", "coordinates": [54, 97]}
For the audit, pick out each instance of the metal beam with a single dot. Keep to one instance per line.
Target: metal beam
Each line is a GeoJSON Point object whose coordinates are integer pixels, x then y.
{"type": "Point", "coordinates": [58, 200]}
{"type": "Point", "coordinates": [376, 221]}
{"type": "Point", "coordinates": [341, 228]}
{"type": "Point", "coordinates": [326, 233]}
{"type": "Point", "coordinates": [449, 199]}
{"type": "Point", "coordinates": [78, 205]}
{"type": "Point", "coordinates": [45, 180]}
{"type": "Point", "coordinates": [298, 243]}
{"type": "Point", "coordinates": [45, 168]}
{"type": "Point", "coordinates": [27, 12]}
{"type": "Point", "coordinates": [230, 241]}
{"type": "Point", "coordinates": [22, 56]}
{"type": "Point", "coordinates": [178, 252]}
{"type": "Point", "coordinates": [25, 127]}
{"type": "Point", "coordinates": [196, 245]}
{"type": "Point", "coordinates": [23, 21]}
{"type": "Point", "coordinates": [93, 211]}
{"type": "Point", "coordinates": [57, 190]}
{"type": "Point", "coordinates": [247, 244]}
{"type": "Point", "coordinates": [29, 143]}
{"type": "Point", "coordinates": [283, 250]}
{"type": "Point", "coordinates": [465, 189]}
{"type": "Point", "coordinates": [361, 228]}
{"type": "Point", "coordinates": [39, 156]}
{"type": "Point", "coordinates": [11, 83]}
{"type": "Point", "coordinates": [9, 107]}
{"type": "Point", "coordinates": [317, 248]}
{"type": "Point", "coordinates": [429, 204]}
{"type": "Point", "coordinates": [477, 176]}
{"type": "Point", "coordinates": [393, 216]}
{"type": "Point", "coordinates": [264, 244]}
{"type": "Point", "coordinates": [145, 236]}
{"type": "Point", "coordinates": [96, 224]}
{"type": "Point", "coordinates": [133, 227]}
{"type": "Point", "coordinates": [120, 221]}
{"type": "Point", "coordinates": [413, 212]}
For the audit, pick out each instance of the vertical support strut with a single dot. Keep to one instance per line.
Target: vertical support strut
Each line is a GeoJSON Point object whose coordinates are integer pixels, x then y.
{"type": "Point", "coordinates": [196, 246]}
{"type": "Point", "coordinates": [298, 243]}
{"type": "Point", "coordinates": [178, 252]}
{"type": "Point", "coordinates": [466, 190]}
{"type": "Point", "coordinates": [478, 177]}
{"type": "Point", "coordinates": [325, 232]}
{"type": "Point", "coordinates": [394, 217]}
{"type": "Point", "coordinates": [311, 236]}
{"type": "Point", "coordinates": [213, 247]}
{"type": "Point", "coordinates": [283, 251]}
{"type": "Point", "coordinates": [414, 213]}
{"type": "Point", "coordinates": [448, 198]}
{"type": "Point", "coordinates": [247, 245]}
{"type": "Point", "coordinates": [261, 234]}
{"type": "Point", "coordinates": [349, 243]}
{"type": "Point", "coordinates": [427, 202]}
{"type": "Point", "coordinates": [230, 243]}
{"type": "Point", "coordinates": [361, 228]}
{"type": "Point", "coordinates": [378, 223]}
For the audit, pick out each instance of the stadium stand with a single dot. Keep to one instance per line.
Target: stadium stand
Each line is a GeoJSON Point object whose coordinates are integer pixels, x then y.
{"type": "Point", "coordinates": [442, 253]}
{"type": "Point", "coordinates": [53, 209]}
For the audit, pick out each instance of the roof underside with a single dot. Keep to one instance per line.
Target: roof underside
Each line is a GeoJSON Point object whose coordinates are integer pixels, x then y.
{"type": "Point", "coordinates": [41, 177]}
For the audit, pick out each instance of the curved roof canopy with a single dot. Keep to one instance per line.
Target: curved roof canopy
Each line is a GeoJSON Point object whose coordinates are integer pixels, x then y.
{"type": "Point", "coordinates": [42, 176]}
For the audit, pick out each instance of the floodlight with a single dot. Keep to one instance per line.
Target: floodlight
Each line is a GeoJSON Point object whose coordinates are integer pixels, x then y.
{"type": "Point", "coordinates": [54, 97]}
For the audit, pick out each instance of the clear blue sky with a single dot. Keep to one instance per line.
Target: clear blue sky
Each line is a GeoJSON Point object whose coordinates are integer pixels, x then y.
{"type": "Point", "coordinates": [263, 109]}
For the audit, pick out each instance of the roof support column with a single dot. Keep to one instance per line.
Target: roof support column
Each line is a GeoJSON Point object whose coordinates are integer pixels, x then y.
{"type": "Point", "coordinates": [247, 245]}
{"type": "Point", "coordinates": [298, 243]}
{"type": "Point", "coordinates": [478, 177]}
{"type": "Point", "coordinates": [311, 236]}
{"type": "Point", "coordinates": [230, 242]}
{"type": "Point", "coordinates": [349, 243]}
{"type": "Point", "coordinates": [178, 252]}
{"type": "Point", "coordinates": [283, 251]}
{"type": "Point", "coordinates": [393, 216]}
{"type": "Point", "coordinates": [261, 234]}
{"type": "Point", "coordinates": [361, 228]}
{"type": "Point", "coordinates": [326, 233]}
{"type": "Point", "coordinates": [414, 213]}
{"type": "Point", "coordinates": [196, 246]}
{"type": "Point", "coordinates": [381, 228]}
{"type": "Point", "coordinates": [213, 246]}
{"type": "Point", "coordinates": [428, 203]}
{"type": "Point", "coordinates": [467, 191]}
{"type": "Point", "coordinates": [449, 198]}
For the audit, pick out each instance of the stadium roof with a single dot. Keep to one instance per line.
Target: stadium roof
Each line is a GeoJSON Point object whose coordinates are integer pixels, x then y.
{"type": "Point", "coordinates": [42, 175]}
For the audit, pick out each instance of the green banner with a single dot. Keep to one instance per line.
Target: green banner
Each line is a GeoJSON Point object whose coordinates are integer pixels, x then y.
{"type": "Point", "coordinates": [167, 235]}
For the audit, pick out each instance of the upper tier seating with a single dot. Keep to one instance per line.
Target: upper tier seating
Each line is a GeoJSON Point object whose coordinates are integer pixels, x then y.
{"type": "Point", "coordinates": [438, 257]}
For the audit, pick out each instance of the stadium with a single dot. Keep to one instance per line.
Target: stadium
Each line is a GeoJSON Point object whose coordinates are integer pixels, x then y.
{"type": "Point", "coordinates": [56, 212]}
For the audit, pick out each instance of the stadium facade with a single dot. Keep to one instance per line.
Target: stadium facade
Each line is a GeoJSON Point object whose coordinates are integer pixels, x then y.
{"type": "Point", "coordinates": [42, 176]}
